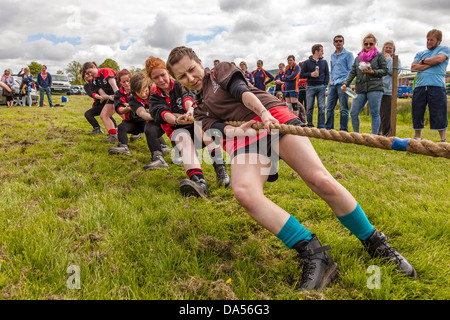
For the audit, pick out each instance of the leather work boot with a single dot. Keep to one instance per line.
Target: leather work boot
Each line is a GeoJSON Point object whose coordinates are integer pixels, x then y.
{"type": "Point", "coordinates": [111, 138]}
{"type": "Point", "coordinates": [120, 149]}
{"type": "Point", "coordinates": [378, 247]}
{"type": "Point", "coordinates": [194, 187]}
{"type": "Point", "coordinates": [222, 174]}
{"type": "Point", "coordinates": [319, 269]}
{"type": "Point", "coordinates": [134, 137]}
{"type": "Point", "coordinates": [157, 162]}
{"type": "Point", "coordinates": [97, 130]}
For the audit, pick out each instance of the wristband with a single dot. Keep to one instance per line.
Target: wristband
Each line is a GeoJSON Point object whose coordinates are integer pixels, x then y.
{"type": "Point", "coordinates": [176, 121]}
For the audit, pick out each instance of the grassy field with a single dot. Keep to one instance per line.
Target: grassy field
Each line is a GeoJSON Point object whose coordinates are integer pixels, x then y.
{"type": "Point", "coordinates": [66, 202]}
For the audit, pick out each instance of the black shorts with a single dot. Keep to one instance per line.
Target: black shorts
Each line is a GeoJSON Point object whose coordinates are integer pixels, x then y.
{"type": "Point", "coordinates": [436, 99]}
{"type": "Point", "coordinates": [190, 129]}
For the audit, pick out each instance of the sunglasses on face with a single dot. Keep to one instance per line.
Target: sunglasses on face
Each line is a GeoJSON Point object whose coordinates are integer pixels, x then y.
{"type": "Point", "coordinates": [368, 44]}
{"type": "Point", "coordinates": [339, 40]}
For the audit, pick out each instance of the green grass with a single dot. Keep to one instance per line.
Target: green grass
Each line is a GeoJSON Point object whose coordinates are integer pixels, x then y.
{"type": "Point", "coordinates": [65, 201]}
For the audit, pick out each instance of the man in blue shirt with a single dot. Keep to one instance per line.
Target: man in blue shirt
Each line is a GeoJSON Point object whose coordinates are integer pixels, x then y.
{"type": "Point", "coordinates": [430, 86]}
{"type": "Point", "coordinates": [341, 64]}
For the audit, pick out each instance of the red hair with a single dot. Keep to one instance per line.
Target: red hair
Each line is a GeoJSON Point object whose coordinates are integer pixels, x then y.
{"type": "Point", "coordinates": [154, 63]}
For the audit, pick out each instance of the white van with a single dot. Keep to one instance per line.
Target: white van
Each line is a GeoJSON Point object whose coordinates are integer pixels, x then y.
{"type": "Point", "coordinates": [60, 83]}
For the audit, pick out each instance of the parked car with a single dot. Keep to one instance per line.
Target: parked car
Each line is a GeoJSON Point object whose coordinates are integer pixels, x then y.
{"type": "Point", "coordinates": [17, 97]}
{"type": "Point", "coordinates": [81, 88]}
{"type": "Point", "coordinates": [60, 83]}
{"type": "Point", "coordinates": [74, 90]}
{"type": "Point", "coordinates": [77, 90]}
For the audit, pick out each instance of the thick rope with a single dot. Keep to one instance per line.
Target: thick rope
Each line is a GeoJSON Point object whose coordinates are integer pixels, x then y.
{"type": "Point", "coordinates": [425, 147]}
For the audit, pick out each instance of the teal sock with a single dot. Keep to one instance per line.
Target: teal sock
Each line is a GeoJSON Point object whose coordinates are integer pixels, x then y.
{"type": "Point", "coordinates": [357, 222]}
{"type": "Point", "coordinates": [293, 232]}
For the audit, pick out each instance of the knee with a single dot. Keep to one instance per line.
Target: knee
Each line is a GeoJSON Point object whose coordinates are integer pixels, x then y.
{"type": "Point", "coordinates": [324, 185]}
{"type": "Point", "coordinates": [246, 195]}
{"type": "Point", "coordinates": [104, 116]}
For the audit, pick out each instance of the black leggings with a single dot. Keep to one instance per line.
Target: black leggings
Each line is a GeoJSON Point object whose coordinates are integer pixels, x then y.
{"type": "Point", "coordinates": [96, 109]}
{"type": "Point", "coordinates": [153, 133]}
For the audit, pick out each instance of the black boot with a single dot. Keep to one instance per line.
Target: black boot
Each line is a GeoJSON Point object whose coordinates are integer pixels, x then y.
{"type": "Point", "coordinates": [134, 137]}
{"type": "Point", "coordinates": [194, 187]}
{"type": "Point", "coordinates": [157, 161]}
{"type": "Point", "coordinates": [222, 174]}
{"type": "Point", "coordinates": [378, 247]}
{"type": "Point", "coordinates": [97, 130]}
{"type": "Point", "coordinates": [111, 138]}
{"type": "Point", "coordinates": [120, 149]}
{"type": "Point", "coordinates": [319, 269]}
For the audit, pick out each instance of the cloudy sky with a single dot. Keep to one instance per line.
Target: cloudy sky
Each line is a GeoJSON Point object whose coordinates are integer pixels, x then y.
{"type": "Point", "coordinates": [56, 32]}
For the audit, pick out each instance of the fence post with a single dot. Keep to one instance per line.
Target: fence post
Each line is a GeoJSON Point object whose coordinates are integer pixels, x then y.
{"type": "Point", "coordinates": [394, 96]}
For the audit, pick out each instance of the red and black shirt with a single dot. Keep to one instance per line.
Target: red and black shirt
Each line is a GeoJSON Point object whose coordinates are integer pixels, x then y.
{"type": "Point", "coordinates": [135, 103]}
{"type": "Point", "coordinates": [101, 80]}
{"type": "Point", "coordinates": [120, 98]}
{"type": "Point", "coordinates": [91, 90]}
{"type": "Point", "coordinates": [175, 102]}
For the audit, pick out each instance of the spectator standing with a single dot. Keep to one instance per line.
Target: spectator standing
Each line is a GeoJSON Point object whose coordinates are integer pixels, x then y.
{"type": "Point", "coordinates": [302, 88]}
{"type": "Point", "coordinates": [317, 75]}
{"type": "Point", "coordinates": [369, 67]}
{"type": "Point", "coordinates": [430, 86]}
{"type": "Point", "coordinates": [26, 86]}
{"type": "Point", "coordinates": [260, 76]}
{"type": "Point", "coordinates": [248, 75]}
{"type": "Point", "coordinates": [8, 80]}
{"type": "Point", "coordinates": [216, 62]}
{"type": "Point", "coordinates": [290, 80]}
{"type": "Point", "coordinates": [341, 64]}
{"type": "Point", "coordinates": [279, 85]}
{"type": "Point", "coordinates": [44, 83]}
{"type": "Point", "coordinates": [385, 109]}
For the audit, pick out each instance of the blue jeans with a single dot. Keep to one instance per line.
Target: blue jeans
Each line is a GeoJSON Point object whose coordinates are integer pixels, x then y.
{"type": "Point", "coordinates": [311, 93]}
{"type": "Point", "coordinates": [26, 97]}
{"type": "Point", "coordinates": [374, 99]}
{"type": "Point", "coordinates": [335, 93]}
{"type": "Point", "coordinates": [48, 92]}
